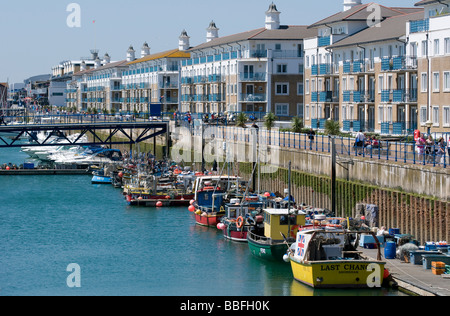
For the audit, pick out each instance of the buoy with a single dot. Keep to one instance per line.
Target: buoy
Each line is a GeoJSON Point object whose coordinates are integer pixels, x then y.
{"type": "Point", "coordinates": [140, 198]}
{"type": "Point", "coordinates": [159, 204]}
{"type": "Point", "coordinates": [220, 226]}
{"type": "Point", "coordinates": [7, 168]}
{"type": "Point", "coordinates": [286, 258]}
{"type": "Point", "coordinates": [267, 194]}
{"type": "Point", "coordinates": [191, 208]}
{"type": "Point", "coordinates": [128, 198]}
{"type": "Point", "coordinates": [120, 174]}
{"type": "Point", "coordinates": [386, 274]}
{"type": "Point", "coordinates": [167, 197]}
{"type": "Point", "coordinates": [192, 202]}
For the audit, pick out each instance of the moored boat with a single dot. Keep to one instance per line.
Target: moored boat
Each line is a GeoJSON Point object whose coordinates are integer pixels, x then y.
{"type": "Point", "coordinates": [240, 218]}
{"type": "Point", "coordinates": [211, 195]}
{"type": "Point", "coordinates": [326, 258]}
{"type": "Point", "coordinates": [269, 242]}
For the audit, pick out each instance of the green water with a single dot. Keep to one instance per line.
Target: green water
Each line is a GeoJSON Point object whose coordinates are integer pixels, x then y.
{"type": "Point", "coordinates": [49, 222]}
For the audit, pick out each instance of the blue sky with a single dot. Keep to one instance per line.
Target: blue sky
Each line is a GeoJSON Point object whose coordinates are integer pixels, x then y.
{"type": "Point", "coordinates": [35, 35]}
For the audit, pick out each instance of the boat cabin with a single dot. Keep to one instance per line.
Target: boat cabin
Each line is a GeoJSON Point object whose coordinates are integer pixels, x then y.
{"type": "Point", "coordinates": [282, 221]}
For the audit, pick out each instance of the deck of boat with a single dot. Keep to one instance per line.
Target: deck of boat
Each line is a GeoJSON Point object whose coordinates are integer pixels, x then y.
{"type": "Point", "coordinates": [414, 278]}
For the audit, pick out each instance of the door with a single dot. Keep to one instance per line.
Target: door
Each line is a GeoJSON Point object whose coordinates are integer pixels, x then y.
{"type": "Point", "coordinates": [248, 72]}
{"type": "Point", "coordinates": [361, 116]}
{"type": "Point", "coordinates": [413, 114]}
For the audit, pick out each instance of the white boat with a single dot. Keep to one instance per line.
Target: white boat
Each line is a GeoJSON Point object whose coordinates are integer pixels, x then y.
{"type": "Point", "coordinates": [104, 156]}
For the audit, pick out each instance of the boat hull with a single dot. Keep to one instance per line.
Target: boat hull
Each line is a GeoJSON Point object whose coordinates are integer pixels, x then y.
{"type": "Point", "coordinates": [101, 180]}
{"type": "Point", "coordinates": [152, 201]}
{"type": "Point", "coordinates": [267, 250]}
{"type": "Point", "coordinates": [232, 233]}
{"type": "Point", "coordinates": [209, 220]}
{"type": "Point", "coordinates": [339, 273]}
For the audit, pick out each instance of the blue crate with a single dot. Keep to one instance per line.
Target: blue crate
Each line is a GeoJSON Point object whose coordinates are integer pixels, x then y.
{"type": "Point", "coordinates": [415, 257]}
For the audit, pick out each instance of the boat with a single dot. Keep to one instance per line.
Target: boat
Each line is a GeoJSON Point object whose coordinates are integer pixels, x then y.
{"type": "Point", "coordinates": [144, 189]}
{"type": "Point", "coordinates": [211, 195]}
{"type": "Point", "coordinates": [101, 176]}
{"type": "Point", "coordinates": [240, 218]}
{"type": "Point", "coordinates": [270, 240]}
{"type": "Point", "coordinates": [326, 258]}
{"type": "Point", "coordinates": [103, 156]}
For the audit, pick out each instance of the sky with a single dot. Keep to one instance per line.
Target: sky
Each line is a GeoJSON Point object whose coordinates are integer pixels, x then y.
{"type": "Point", "coordinates": [36, 36]}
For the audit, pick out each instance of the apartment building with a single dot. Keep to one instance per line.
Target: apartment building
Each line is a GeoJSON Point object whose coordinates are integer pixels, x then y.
{"type": "Point", "coordinates": [153, 78]}
{"type": "Point", "coordinates": [97, 88]}
{"type": "Point", "coordinates": [256, 71]}
{"type": "Point", "coordinates": [429, 42]}
{"type": "Point", "coordinates": [358, 71]}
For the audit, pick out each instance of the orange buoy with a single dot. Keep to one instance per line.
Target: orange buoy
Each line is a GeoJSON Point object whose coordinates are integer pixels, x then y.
{"type": "Point", "coordinates": [159, 204]}
{"type": "Point", "coordinates": [191, 208]}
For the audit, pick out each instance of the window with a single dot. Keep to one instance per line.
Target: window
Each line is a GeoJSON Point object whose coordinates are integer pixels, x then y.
{"type": "Point", "coordinates": [446, 81]}
{"type": "Point", "coordinates": [446, 116]}
{"type": "Point", "coordinates": [282, 88]}
{"type": "Point", "coordinates": [301, 69]}
{"type": "Point", "coordinates": [282, 68]}
{"type": "Point", "coordinates": [344, 112]}
{"type": "Point", "coordinates": [307, 112]}
{"type": "Point", "coordinates": [436, 47]}
{"type": "Point", "coordinates": [277, 46]}
{"type": "Point", "coordinates": [307, 61]}
{"type": "Point", "coordinates": [300, 88]}
{"type": "Point", "coordinates": [300, 110]}
{"type": "Point", "coordinates": [423, 82]}
{"type": "Point", "coordinates": [435, 115]}
{"type": "Point", "coordinates": [435, 82]}
{"type": "Point", "coordinates": [282, 109]}
{"type": "Point", "coordinates": [447, 45]}
{"type": "Point", "coordinates": [380, 83]}
{"type": "Point", "coordinates": [380, 114]}
{"type": "Point", "coordinates": [423, 115]}
{"type": "Point", "coordinates": [424, 49]}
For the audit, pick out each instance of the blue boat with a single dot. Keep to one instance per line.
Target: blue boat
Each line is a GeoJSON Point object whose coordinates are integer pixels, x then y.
{"type": "Point", "coordinates": [99, 177]}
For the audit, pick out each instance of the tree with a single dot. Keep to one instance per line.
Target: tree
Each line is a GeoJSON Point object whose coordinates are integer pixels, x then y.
{"type": "Point", "coordinates": [297, 125]}
{"type": "Point", "coordinates": [332, 127]}
{"type": "Point", "coordinates": [241, 119]}
{"type": "Point", "coordinates": [269, 120]}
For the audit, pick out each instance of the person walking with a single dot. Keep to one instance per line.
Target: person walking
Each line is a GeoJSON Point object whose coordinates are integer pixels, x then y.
{"type": "Point", "coordinates": [359, 142]}
{"type": "Point", "coordinates": [311, 135]}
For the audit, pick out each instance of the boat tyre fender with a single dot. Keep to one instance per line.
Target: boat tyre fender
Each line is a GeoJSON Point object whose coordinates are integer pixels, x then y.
{"type": "Point", "coordinates": [240, 222]}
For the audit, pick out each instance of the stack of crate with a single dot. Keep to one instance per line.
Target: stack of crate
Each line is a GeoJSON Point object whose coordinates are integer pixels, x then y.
{"type": "Point", "coordinates": [438, 268]}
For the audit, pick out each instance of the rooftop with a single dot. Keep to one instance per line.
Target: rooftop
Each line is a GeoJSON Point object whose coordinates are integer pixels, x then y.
{"type": "Point", "coordinates": [390, 29]}
{"type": "Point", "coordinates": [285, 32]}
{"type": "Point", "coordinates": [361, 13]}
{"type": "Point", "coordinates": [174, 53]}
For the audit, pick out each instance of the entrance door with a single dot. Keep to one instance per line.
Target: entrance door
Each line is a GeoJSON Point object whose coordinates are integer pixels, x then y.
{"type": "Point", "coordinates": [361, 116]}
{"type": "Point", "coordinates": [413, 117]}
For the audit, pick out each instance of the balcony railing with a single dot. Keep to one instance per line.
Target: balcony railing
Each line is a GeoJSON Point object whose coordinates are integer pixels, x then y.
{"type": "Point", "coordinates": [257, 76]}
{"type": "Point", "coordinates": [255, 97]}
{"type": "Point", "coordinates": [326, 96]}
{"type": "Point", "coordinates": [324, 41]}
{"type": "Point", "coordinates": [419, 26]}
{"type": "Point", "coordinates": [398, 63]}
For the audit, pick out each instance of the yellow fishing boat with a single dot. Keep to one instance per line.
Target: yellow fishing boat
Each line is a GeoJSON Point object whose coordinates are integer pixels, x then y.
{"type": "Point", "coordinates": [327, 258]}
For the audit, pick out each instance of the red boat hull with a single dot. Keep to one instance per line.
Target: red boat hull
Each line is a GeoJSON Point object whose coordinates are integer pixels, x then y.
{"type": "Point", "coordinates": [152, 201]}
{"type": "Point", "coordinates": [234, 235]}
{"type": "Point", "coordinates": [210, 220]}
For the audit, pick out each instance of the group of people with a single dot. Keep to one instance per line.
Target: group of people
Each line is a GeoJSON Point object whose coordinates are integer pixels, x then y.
{"type": "Point", "coordinates": [365, 144]}
{"type": "Point", "coordinates": [428, 150]}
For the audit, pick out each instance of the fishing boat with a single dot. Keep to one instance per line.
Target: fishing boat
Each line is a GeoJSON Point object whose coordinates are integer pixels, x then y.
{"type": "Point", "coordinates": [145, 189]}
{"type": "Point", "coordinates": [211, 195]}
{"type": "Point", "coordinates": [100, 176]}
{"type": "Point", "coordinates": [269, 240]}
{"type": "Point", "coordinates": [240, 218]}
{"type": "Point", "coordinates": [326, 258]}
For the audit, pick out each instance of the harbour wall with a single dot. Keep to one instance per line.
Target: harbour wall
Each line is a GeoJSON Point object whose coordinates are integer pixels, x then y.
{"type": "Point", "coordinates": [413, 198]}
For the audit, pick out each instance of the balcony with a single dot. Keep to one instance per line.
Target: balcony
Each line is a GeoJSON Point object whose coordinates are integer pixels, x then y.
{"type": "Point", "coordinates": [324, 41]}
{"type": "Point", "coordinates": [398, 63]}
{"type": "Point", "coordinates": [255, 97]}
{"type": "Point", "coordinates": [419, 26]}
{"type": "Point", "coordinates": [215, 97]}
{"type": "Point", "coordinates": [346, 96]}
{"type": "Point", "coordinates": [314, 70]}
{"type": "Point", "coordinates": [214, 78]}
{"type": "Point", "coordinates": [257, 76]}
{"type": "Point", "coordinates": [386, 96]}
{"type": "Point", "coordinates": [325, 96]}
{"type": "Point", "coordinates": [347, 67]}
{"type": "Point", "coordinates": [325, 69]}
{"type": "Point", "coordinates": [314, 97]}
{"type": "Point", "coordinates": [287, 54]}
{"type": "Point", "coordinates": [258, 54]}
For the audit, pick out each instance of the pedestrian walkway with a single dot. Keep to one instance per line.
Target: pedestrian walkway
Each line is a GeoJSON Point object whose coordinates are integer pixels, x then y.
{"type": "Point", "coordinates": [414, 278]}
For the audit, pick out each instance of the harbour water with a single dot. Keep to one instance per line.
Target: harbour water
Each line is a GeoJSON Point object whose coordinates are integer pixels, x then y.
{"type": "Point", "coordinates": [49, 222]}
